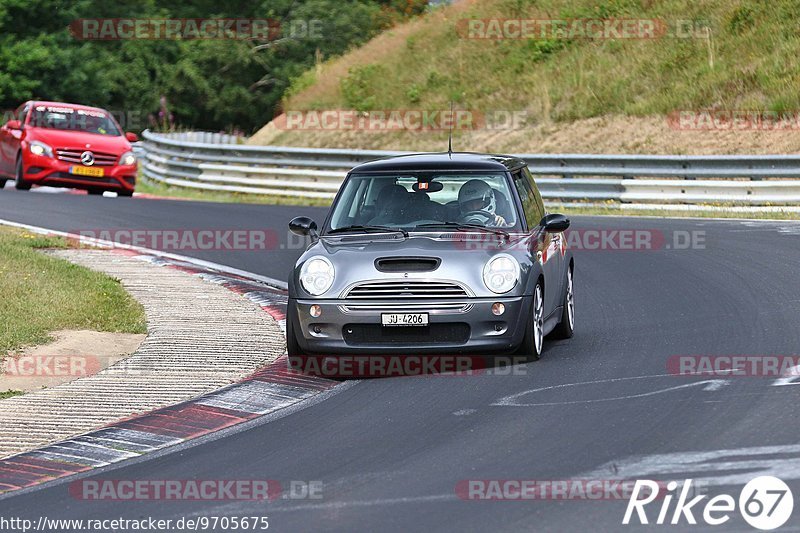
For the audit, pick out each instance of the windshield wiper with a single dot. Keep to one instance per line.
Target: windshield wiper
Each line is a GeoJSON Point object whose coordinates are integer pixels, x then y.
{"type": "Point", "coordinates": [363, 228]}
{"type": "Point", "coordinates": [464, 226]}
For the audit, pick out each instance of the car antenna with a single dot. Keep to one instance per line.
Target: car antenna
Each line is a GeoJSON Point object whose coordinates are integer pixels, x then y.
{"type": "Point", "coordinates": [450, 135]}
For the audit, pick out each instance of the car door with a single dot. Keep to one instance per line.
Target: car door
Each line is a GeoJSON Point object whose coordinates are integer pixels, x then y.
{"type": "Point", "coordinates": [547, 245]}
{"type": "Point", "coordinates": [5, 143]}
{"type": "Point", "coordinates": [10, 141]}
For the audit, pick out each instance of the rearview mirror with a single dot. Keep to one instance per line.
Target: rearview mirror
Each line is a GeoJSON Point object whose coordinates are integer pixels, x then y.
{"type": "Point", "coordinates": [14, 125]}
{"type": "Point", "coordinates": [132, 137]}
{"type": "Point", "coordinates": [303, 226]}
{"type": "Point", "coordinates": [554, 223]}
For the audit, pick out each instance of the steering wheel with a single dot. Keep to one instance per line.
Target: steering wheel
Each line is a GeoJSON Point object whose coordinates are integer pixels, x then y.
{"type": "Point", "coordinates": [483, 217]}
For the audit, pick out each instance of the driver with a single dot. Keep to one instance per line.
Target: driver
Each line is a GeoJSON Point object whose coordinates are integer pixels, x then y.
{"type": "Point", "coordinates": [478, 205]}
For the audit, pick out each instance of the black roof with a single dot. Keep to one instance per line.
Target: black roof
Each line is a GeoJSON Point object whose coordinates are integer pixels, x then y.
{"type": "Point", "coordinates": [442, 162]}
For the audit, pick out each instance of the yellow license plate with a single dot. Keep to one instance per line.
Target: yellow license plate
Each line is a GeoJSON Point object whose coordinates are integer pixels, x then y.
{"type": "Point", "coordinates": [87, 171]}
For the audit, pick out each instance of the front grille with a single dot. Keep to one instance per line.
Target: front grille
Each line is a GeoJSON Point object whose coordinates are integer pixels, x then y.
{"type": "Point", "coordinates": [406, 289]}
{"type": "Point", "coordinates": [71, 155]}
{"type": "Point", "coordinates": [375, 334]}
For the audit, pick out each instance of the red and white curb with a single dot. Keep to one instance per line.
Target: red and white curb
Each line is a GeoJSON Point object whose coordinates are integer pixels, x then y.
{"type": "Point", "coordinates": [269, 389]}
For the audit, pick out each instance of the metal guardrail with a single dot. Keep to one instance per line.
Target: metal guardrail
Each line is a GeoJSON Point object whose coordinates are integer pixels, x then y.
{"type": "Point", "coordinates": [180, 160]}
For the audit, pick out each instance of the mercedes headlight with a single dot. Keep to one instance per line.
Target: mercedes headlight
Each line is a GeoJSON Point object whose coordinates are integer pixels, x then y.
{"type": "Point", "coordinates": [40, 148]}
{"type": "Point", "coordinates": [316, 275]}
{"type": "Point", "coordinates": [127, 159]}
{"type": "Point", "coordinates": [501, 273]}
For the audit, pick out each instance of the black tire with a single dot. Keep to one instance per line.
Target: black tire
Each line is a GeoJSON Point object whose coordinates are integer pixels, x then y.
{"type": "Point", "coordinates": [532, 344]}
{"type": "Point", "coordinates": [3, 183]}
{"type": "Point", "coordinates": [566, 328]}
{"type": "Point", "coordinates": [95, 192]}
{"type": "Point", "coordinates": [125, 194]}
{"type": "Point", "coordinates": [20, 182]}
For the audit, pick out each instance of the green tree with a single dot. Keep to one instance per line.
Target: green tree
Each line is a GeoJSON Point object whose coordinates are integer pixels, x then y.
{"type": "Point", "coordinates": [210, 84]}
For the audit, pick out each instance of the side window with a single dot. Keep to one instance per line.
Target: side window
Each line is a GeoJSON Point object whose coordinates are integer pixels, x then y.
{"type": "Point", "coordinates": [536, 193]}
{"type": "Point", "coordinates": [21, 112]}
{"type": "Point", "coordinates": [528, 196]}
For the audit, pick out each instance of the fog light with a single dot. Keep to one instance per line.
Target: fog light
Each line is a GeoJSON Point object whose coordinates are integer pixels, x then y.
{"type": "Point", "coordinates": [315, 311]}
{"type": "Point", "coordinates": [498, 309]}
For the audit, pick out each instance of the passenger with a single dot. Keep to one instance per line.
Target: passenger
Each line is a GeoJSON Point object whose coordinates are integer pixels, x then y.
{"type": "Point", "coordinates": [391, 204]}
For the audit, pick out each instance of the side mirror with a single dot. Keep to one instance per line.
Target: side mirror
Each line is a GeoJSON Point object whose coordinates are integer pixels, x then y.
{"type": "Point", "coordinates": [132, 137]}
{"type": "Point", "coordinates": [303, 226]}
{"type": "Point", "coordinates": [554, 223]}
{"type": "Point", "coordinates": [14, 125]}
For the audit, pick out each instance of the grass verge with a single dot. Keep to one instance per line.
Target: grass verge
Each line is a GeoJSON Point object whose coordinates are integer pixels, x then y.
{"type": "Point", "coordinates": [158, 189]}
{"type": "Point", "coordinates": [676, 213]}
{"type": "Point", "coordinates": [41, 294]}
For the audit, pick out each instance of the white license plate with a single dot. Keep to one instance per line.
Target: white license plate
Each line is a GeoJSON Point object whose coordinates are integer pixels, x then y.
{"type": "Point", "coordinates": [404, 319]}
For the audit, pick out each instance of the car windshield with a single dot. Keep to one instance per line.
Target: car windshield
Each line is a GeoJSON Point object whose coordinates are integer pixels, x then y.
{"type": "Point", "coordinates": [425, 202]}
{"type": "Point", "coordinates": [71, 119]}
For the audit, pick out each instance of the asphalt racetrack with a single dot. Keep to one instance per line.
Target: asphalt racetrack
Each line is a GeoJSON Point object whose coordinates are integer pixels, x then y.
{"type": "Point", "coordinates": [391, 453]}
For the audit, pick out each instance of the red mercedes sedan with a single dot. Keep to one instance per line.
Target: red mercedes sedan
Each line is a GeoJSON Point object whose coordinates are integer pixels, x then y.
{"type": "Point", "coordinates": [67, 145]}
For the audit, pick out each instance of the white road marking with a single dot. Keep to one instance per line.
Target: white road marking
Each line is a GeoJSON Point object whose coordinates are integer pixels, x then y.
{"type": "Point", "coordinates": [734, 466]}
{"type": "Point", "coordinates": [48, 190]}
{"type": "Point", "coordinates": [790, 377]}
{"type": "Point", "coordinates": [513, 399]}
{"type": "Point", "coordinates": [785, 227]}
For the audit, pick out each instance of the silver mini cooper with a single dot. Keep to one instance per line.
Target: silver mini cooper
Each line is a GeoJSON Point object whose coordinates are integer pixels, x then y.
{"type": "Point", "coordinates": [432, 253]}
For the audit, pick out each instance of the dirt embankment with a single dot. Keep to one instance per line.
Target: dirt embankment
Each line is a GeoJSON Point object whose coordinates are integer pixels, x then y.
{"type": "Point", "coordinates": [609, 134]}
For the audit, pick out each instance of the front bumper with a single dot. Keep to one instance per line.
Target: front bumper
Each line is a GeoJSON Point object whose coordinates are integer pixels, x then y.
{"type": "Point", "coordinates": [344, 328]}
{"type": "Point", "coordinates": [41, 170]}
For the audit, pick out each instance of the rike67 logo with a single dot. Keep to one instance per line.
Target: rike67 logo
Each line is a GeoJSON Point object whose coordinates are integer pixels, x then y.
{"type": "Point", "coordinates": [765, 503]}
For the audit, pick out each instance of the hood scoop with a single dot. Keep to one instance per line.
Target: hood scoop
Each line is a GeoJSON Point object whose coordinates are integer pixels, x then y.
{"type": "Point", "coordinates": [407, 264]}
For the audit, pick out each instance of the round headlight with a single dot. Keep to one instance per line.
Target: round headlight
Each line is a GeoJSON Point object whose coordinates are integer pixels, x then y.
{"type": "Point", "coordinates": [316, 275]}
{"type": "Point", "coordinates": [127, 159]}
{"type": "Point", "coordinates": [501, 273]}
